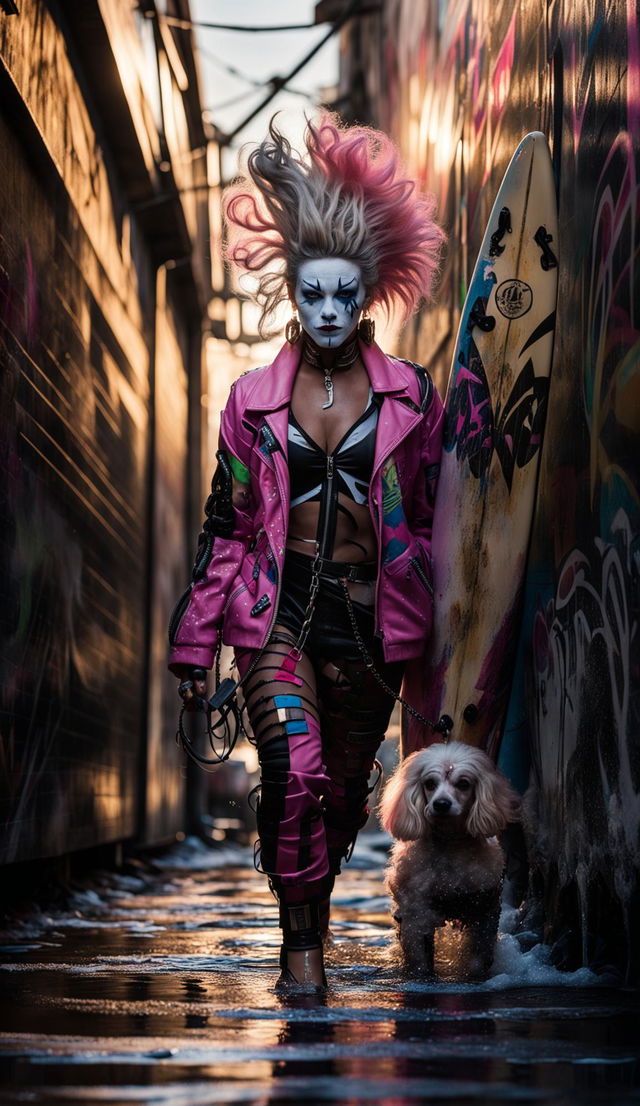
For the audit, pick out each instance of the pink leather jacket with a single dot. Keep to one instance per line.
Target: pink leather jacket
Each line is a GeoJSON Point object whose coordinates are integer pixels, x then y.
{"type": "Point", "coordinates": [238, 594]}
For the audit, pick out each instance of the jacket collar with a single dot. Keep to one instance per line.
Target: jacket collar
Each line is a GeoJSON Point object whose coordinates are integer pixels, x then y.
{"type": "Point", "coordinates": [273, 387]}
{"type": "Point", "coordinates": [386, 373]}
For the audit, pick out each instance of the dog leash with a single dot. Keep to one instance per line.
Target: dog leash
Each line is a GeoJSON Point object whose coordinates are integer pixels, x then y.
{"type": "Point", "coordinates": [443, 727]}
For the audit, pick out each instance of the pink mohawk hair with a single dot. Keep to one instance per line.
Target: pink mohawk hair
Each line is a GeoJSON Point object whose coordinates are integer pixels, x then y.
{"type": "Point", "coordinates": [348, 198]}
{"type": "Point", "coordinates": [400, 220]}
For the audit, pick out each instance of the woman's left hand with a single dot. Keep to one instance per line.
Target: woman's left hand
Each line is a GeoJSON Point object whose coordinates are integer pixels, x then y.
{"type": "Point", "coordinates": [193, 687]}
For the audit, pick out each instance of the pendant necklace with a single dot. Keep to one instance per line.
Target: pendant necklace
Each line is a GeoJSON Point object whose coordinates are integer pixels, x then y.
{"type": "Point", "coordinates": [344, 359]}
{"type": "Point", "coordinates": [328, 383]}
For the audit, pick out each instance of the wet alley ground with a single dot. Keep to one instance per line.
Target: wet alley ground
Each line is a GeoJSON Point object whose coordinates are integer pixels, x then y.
{"type": "Point", "coordinates": [156, 987]}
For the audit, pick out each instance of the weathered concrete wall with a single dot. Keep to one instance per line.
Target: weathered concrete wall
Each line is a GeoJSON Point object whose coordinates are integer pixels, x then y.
{"type": "Point", "coordinates": [458, 84]}
{"type": "Point", "coordinates": [102, 287]}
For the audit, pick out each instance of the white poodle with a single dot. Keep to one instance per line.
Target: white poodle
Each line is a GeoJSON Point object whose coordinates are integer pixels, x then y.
{"type": "Point", "coordinates": [444, 804]}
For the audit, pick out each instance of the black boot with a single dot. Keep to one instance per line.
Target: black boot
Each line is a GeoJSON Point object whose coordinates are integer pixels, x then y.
{"type": "Point", "coordinates": [301, 959]}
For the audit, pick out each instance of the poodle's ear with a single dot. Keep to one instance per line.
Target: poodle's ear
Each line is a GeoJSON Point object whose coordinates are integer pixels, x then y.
{"type": "Point", "coordinates": [495, 803]}
{"type": "Point", "coordinates": [403, 803]}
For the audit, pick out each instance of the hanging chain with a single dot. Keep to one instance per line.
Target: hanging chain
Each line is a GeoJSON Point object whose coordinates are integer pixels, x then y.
{"type": "Point", "coordinates": [311, 605]}
{"type": "Point", "coordinates": [437, 727]}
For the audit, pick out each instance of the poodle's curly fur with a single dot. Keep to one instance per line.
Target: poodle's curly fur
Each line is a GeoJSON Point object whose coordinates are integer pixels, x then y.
{"type": "Point", "coordinates": [444, 805]}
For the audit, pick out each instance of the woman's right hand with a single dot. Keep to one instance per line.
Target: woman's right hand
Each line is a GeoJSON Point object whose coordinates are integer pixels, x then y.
{"type": "Point", "coordinates": [192, 687]}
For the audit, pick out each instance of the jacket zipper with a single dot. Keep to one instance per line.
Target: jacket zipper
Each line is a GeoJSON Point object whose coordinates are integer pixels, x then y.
{"type": "Point", "coordinates": [256, 541]}
{"type": "Point", "coordinates": [375, 511]}
{"type": "Point", "coordinates": [234, 594]}
{"type": "Point", "coordinates": [328, 514]}
{"type": "Point", "coordinates": [420, 573]}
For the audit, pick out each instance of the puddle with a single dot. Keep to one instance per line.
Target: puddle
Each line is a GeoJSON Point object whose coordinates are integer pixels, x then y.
{"type": "Point", "coordinates": [158, 988]}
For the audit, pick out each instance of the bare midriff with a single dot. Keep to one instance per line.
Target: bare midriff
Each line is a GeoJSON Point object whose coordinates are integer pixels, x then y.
{"type": "Point", "coordinates": [354, 539]}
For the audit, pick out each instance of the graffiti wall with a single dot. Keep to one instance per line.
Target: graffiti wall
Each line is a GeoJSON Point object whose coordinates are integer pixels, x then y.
{"type": "Point", "coordinates": [458, 84]}
{"type": "Point", "coordinates": [582, 616]}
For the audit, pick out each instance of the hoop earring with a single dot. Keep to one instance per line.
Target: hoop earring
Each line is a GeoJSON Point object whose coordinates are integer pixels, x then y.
{"type": "Point", "coordinates": [367, 328]}
{"type": "Point", "coordinates": [293, 329]}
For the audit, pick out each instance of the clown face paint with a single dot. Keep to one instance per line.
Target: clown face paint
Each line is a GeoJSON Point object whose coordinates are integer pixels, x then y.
{"type": "Point", "coordinates": [329, 295]}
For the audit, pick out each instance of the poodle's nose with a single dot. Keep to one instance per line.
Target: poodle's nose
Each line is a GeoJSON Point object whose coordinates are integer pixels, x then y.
{"type": "Point", "coordinates": [441, 806]}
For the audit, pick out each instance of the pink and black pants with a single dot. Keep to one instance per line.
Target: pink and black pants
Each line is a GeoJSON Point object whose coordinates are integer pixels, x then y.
{"type": "Point", "coordinates": [317, 740]}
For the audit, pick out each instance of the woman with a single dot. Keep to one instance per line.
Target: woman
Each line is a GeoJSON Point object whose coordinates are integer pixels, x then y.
{"type": "Point", "coordinates": [323, 585]}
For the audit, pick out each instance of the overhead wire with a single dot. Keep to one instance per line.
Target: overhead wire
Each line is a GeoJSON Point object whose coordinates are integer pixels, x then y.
{"type": "Point", "coordinates": [270, 83]}
{"type": "Point", "coordinates": [255, 85]}
{"type": "Point", "coordinates": [275, 84]}
{"type": "Point", "coordinates": [187, 24]}
{"type": "Point", "coordinates": [248, 28]}
{"type": "Point", "coordinates": [252, 92]}
{"type": "Point", "coordinates": [278, 83]}
{"type": "Point", "coordinates": [231, 69]}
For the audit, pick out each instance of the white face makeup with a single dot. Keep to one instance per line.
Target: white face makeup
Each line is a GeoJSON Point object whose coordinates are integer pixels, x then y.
{"type": "Point", "coordinates": [329, 295]}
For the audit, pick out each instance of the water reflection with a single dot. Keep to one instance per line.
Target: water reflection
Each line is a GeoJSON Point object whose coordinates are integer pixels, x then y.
{"type": "Point", "coordinates": [165, 995]}
{"type": "Point", "coordinates": [194, 992]}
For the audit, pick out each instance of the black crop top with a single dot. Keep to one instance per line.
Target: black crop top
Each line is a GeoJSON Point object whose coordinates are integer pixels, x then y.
{"type": "Point", "coordinates": [321, 477]}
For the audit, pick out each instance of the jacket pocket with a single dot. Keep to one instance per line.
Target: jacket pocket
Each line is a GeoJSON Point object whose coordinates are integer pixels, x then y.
{"type": "Point", "coordinates": [246, 611]}
{"type": "Point", "coordinates": [401, 565]}
{"type": "Point", "coordinates": [246, 578]}
{"type": "Point", "coordinates": [406, 598]}
{"type": "Point", "coordinates": [234, 594]}
{"type": "Point", "coordinates": [411, 564]}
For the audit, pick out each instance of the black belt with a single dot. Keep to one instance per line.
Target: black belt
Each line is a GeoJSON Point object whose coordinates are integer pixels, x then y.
{"type": "Point", "coordinates": [361, 573]}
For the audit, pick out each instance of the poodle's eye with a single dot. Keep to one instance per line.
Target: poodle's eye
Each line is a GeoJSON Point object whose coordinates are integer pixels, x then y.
{"type": "Point", "coordinates": [463, 784]}
{"type": "Point", "coordinates": [430, 783]}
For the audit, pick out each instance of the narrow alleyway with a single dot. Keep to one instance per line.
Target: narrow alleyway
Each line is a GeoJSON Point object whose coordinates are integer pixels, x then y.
{"type": "Point", "coordinates": [156, 987]}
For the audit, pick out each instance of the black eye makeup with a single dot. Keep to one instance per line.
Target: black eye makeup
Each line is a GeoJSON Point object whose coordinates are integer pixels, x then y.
{"type": "Point", "coordinates": [347, 292]}
{"type": "Point", "coordinates": [311, 292]}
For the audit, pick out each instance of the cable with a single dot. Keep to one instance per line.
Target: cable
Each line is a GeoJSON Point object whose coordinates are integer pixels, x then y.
{"type": "Point", "coordinates": [232, 100]}
{"type": "Point", "coordinates": [230, 69]}
{"type": "Point", "coordinates": [278, 83]}
{"type": "Point", "coordinates": [188, 24]}
{"type": "Point", "coordinates": [252, 92]}
{"type": "Point", "coordinates": [255, 85]}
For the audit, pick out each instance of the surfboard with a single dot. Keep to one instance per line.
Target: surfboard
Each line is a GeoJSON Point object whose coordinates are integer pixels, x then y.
{"type": "Point", "coordinates": [494, 418]}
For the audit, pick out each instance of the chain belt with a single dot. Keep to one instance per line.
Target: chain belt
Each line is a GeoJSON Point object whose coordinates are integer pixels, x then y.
{"type": "Point", "coordinates": [442, 726]}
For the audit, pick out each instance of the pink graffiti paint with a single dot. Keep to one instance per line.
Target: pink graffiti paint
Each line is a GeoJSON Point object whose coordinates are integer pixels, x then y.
{"type": "Point", "coordinates": [633, 68]}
